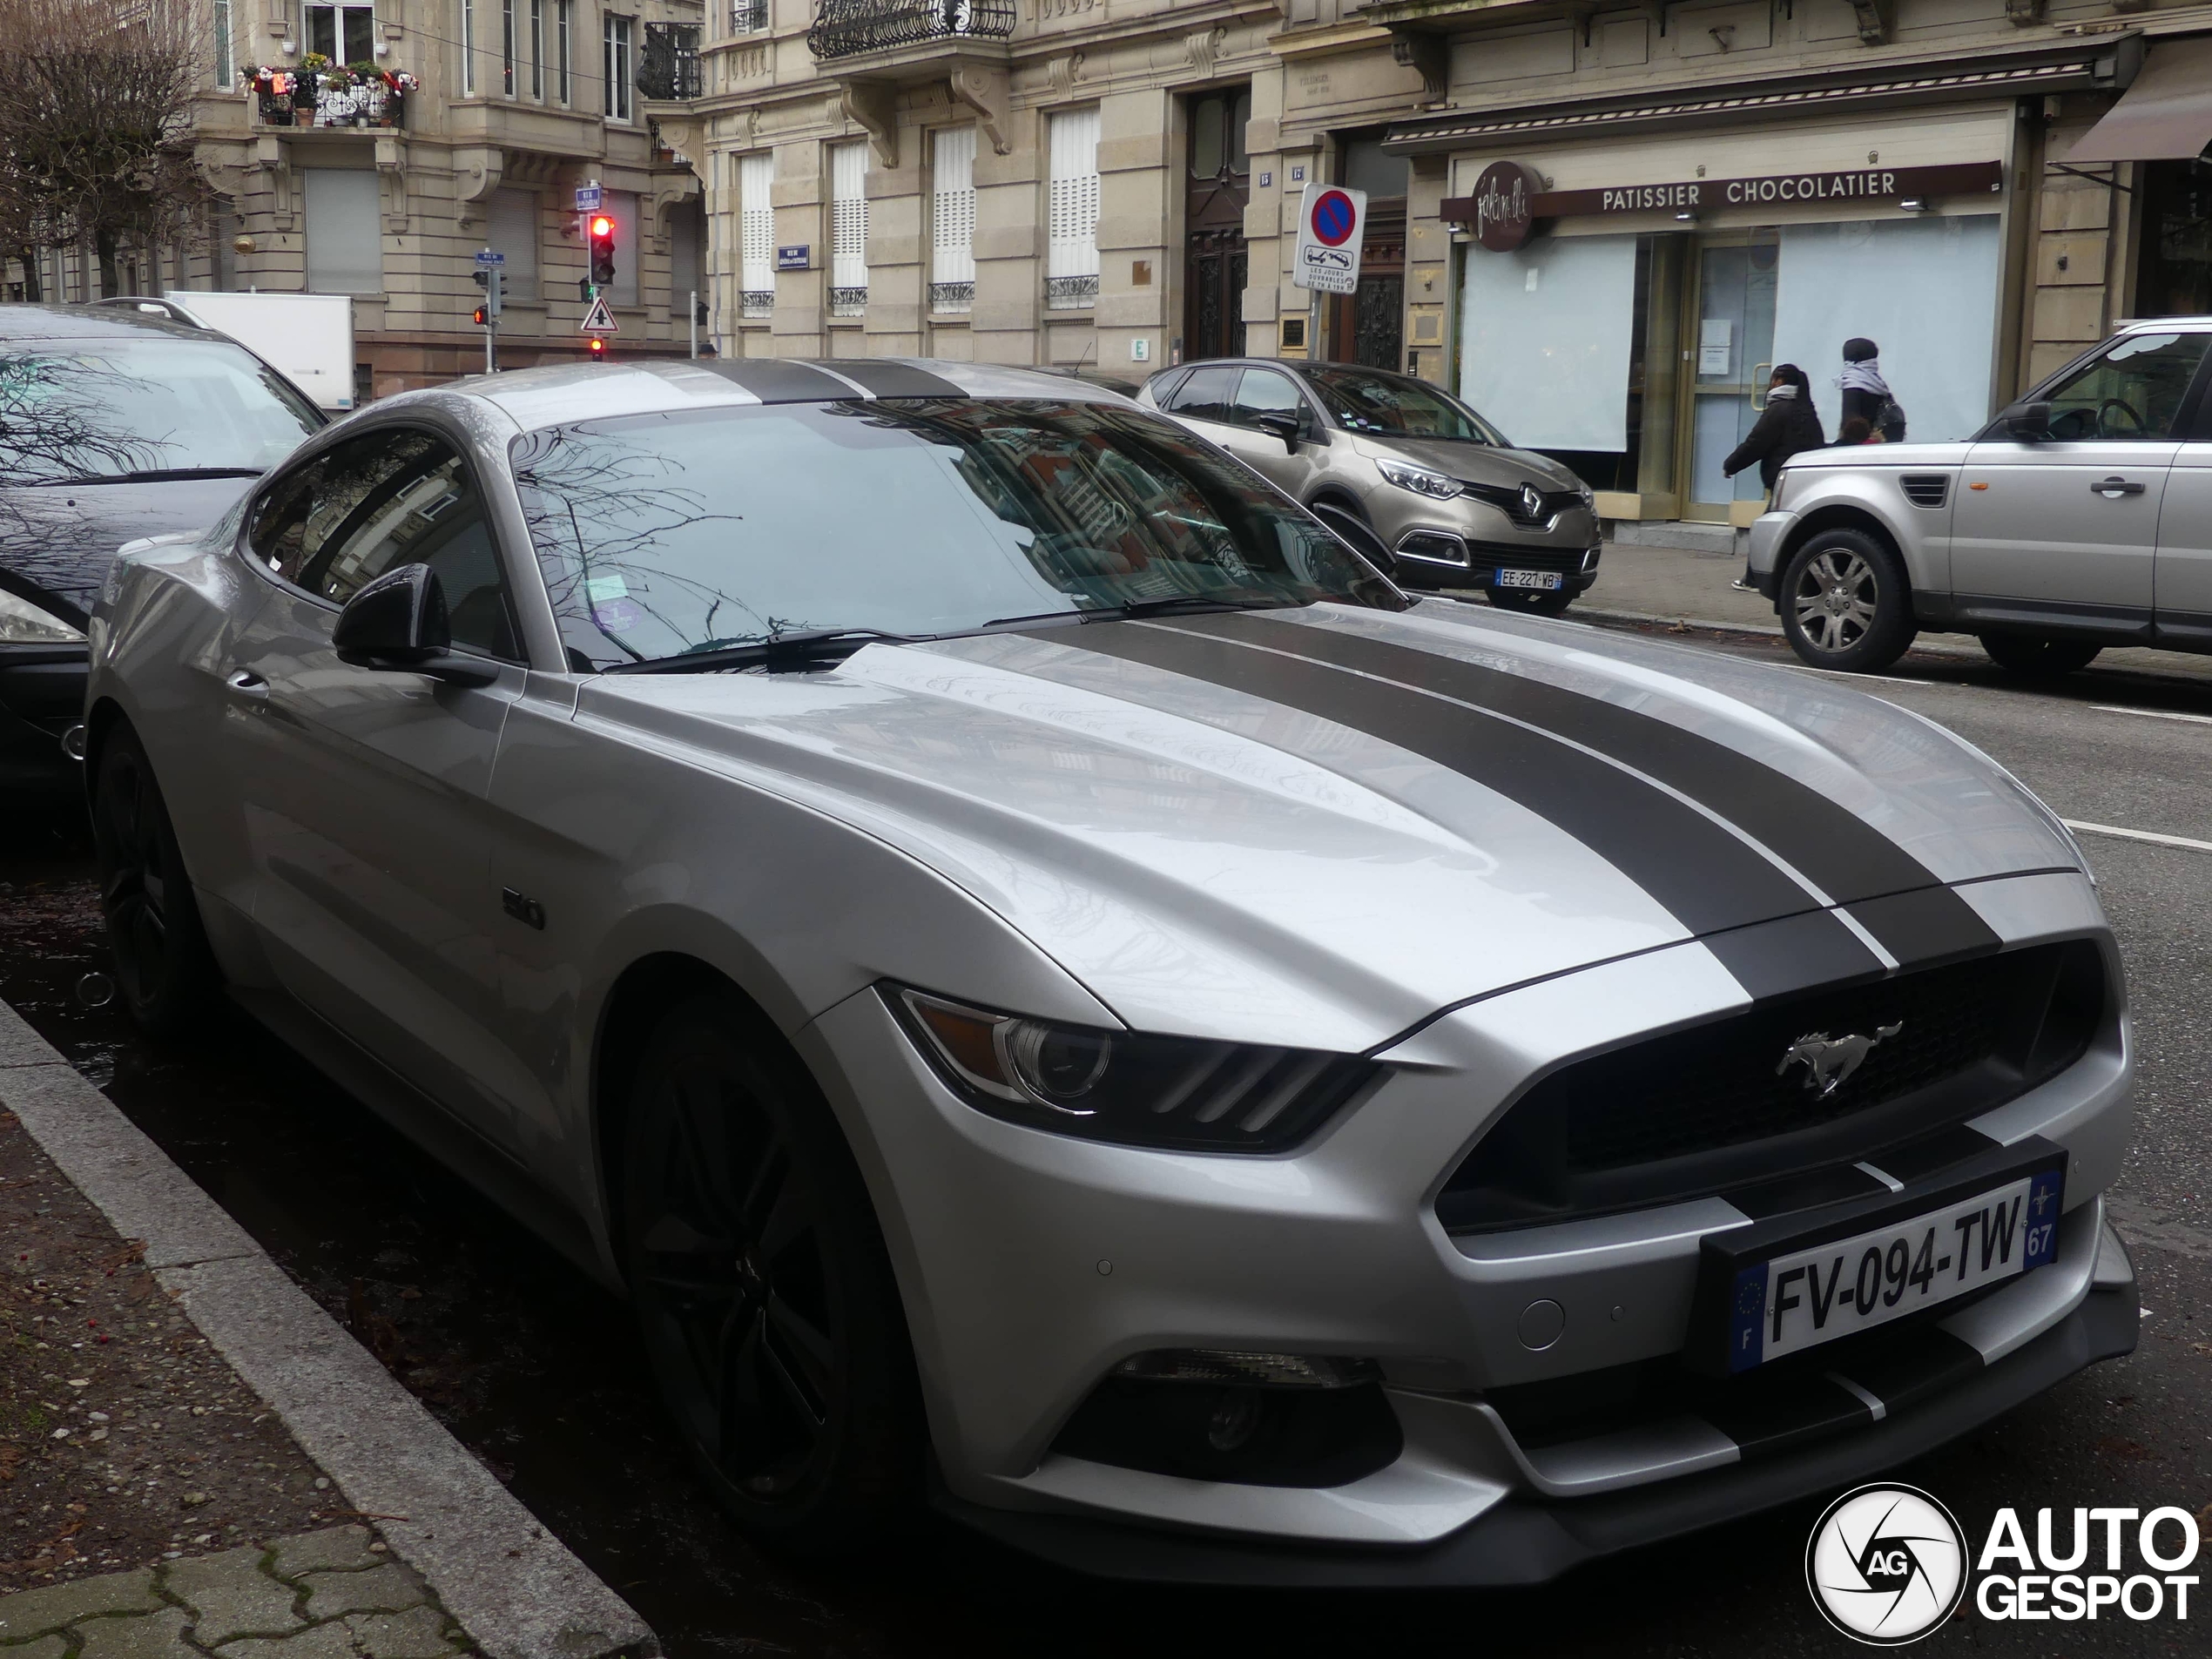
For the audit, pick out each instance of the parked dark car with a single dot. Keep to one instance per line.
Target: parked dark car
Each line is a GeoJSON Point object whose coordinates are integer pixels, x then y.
{"type": "Point", "coordinates": [115, 425]}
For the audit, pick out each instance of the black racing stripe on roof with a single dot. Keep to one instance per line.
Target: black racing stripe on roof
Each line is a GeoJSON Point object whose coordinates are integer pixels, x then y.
{"type": "Point", "coordinates": [887, 379]}
{"type": "Point", "coordinates": [1707, 878]}
{"type": "Point", "coordinates": [779, 380]}
{"type": "Point", "coordinates": [1838, 851]}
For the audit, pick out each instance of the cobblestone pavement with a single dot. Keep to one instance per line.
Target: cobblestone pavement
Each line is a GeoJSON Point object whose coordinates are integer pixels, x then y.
{"type": "Point", "coordinates": [331, 1595]}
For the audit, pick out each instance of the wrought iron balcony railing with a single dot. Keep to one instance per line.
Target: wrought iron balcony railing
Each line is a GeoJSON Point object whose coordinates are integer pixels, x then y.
{"type": "Point", "coordinates": [748, 17]}
{"type": "Point", "coordinates": [669, 66]}
{"type": "Point", "coordinates": [848, 28]}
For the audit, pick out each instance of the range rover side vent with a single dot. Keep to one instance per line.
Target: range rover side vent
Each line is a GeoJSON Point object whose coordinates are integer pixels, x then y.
{"type": "Point", "coordinates": [1926, 489]}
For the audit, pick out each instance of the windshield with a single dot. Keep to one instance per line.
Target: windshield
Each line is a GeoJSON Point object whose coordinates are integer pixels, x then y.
{"type": "Point", "coordinates": [73, 410]}
{"type": "Point", "coordinates": [1393, 406]}
{"type": "Point", "coordinates": [666, 533]}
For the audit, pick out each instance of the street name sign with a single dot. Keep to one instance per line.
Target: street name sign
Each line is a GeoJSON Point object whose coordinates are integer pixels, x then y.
{"type": "Point", "coordinates": [589, 199]}
{"type": "Point", "coordinates": [487, 256]}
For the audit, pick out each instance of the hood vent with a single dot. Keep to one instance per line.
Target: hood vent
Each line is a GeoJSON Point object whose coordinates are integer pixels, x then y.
{"type": "Point", "coordinates": [1926, 489]}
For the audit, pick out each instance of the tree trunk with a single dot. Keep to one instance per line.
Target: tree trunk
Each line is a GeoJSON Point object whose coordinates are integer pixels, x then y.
{"type": "Point", "coordinates": [110, 279]}
{"type": "Point", "coordinates": [30, 258]}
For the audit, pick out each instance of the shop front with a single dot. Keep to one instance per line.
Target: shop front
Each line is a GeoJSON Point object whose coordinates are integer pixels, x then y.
{"type": "Point", "coordinates": [1623, 307]}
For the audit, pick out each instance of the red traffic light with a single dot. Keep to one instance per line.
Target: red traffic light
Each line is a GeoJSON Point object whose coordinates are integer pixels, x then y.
{"type": "Point", "coordinates": [602, 226]}
{"type": "Point", "coordinates": [596, 347]}
{"type": "Point", "coordinates": [479, 318]}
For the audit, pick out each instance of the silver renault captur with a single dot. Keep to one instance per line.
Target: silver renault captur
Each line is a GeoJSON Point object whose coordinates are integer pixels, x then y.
{"type": "Point", "coordinates": [1436, 484]}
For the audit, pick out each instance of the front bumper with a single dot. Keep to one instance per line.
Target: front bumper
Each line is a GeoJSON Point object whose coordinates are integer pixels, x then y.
{"type": "Point", "coordinates": [1762, 563]}
{"type": "Point", "coordinates": [1528, 1538]}
{"type": "Point", "coordinates": [42, 695]}
{"type": "Point", "coordinates": [1031, 1265]}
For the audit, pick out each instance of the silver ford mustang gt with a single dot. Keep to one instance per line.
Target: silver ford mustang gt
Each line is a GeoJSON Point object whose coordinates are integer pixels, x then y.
{"type": "Point", "coordinates": [1063, 994]}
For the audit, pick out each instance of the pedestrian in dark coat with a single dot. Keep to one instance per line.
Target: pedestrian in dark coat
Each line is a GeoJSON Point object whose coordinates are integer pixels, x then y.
{"type": "Point", "coordinates": [1865, 393]}
{"type": "Point", "coordinates": [1788, 426]}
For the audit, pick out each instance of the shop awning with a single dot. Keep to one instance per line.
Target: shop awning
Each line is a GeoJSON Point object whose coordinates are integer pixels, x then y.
{"type": "Point", "coordinates": [2165, 116]}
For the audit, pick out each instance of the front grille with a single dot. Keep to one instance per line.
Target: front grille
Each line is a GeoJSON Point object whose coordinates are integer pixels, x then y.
{"type": "Point", "coordinates": [1717, 1106]}
{"type": "Point", "coordinates": [1508, 500]}
{"type": "Point", "coordinates": [1567, 560]}
{"type": "Point", "coordinates": [1925, 489]}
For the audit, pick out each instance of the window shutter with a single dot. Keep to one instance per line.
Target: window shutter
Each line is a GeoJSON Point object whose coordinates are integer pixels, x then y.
{"type": "Point", "coordinates": [952, 271]}
{"type": "Point", "coordinates": [848, 229]}
{"type": "Point", "coordinates": [344, 223]}
{"type": "Point", "coordinates": [1071, 257]}
{"type": "Point", "coordinates": [511, 228]}
{"type": "Point", "coordinates": [757, 234]}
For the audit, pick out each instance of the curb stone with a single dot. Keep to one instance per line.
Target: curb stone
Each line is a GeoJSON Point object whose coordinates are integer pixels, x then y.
{"type": "Point", "coordinates": [516, 1588]}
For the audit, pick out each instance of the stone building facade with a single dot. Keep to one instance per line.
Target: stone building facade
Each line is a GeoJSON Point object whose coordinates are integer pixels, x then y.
{"type": "Point", "coordinates": [519, 102]}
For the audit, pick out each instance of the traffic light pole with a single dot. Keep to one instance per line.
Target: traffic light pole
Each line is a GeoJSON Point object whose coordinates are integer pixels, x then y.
{"type": "Point", "coordinates": [492, 285]}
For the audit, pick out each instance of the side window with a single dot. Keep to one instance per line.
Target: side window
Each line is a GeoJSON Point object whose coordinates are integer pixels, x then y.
{"type": "Point", "coordinates": [2135, 390]}
{"type": "Point", "coordinates": [1205, 396]}
{"type": "Point", "coordinates": [1263, 391]}
{"type": "Point", "coordinates": [386, 499]}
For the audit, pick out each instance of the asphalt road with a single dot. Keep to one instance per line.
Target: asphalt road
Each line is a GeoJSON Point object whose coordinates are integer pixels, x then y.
{"type": "Point", "coordinates": [535, 1371]}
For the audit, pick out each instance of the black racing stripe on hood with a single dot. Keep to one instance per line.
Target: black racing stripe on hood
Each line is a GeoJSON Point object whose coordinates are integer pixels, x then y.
{"type": "Point", "coordinates": [1706, 877]}
{"type": "Point", "coordinates": [1838, 851]}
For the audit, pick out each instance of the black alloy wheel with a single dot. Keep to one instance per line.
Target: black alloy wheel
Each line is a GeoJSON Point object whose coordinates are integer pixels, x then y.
{"type": "Point", "coordinates": [2039, 657]}
{"type": "Point", "coordinates": [164, 971]}
{"type": "Point", "coordinates": [1536, 601]}
{"type": "Point", "coordinates": [763, 1287]}
{"type": "Point", "coordinates": [1845, 604]}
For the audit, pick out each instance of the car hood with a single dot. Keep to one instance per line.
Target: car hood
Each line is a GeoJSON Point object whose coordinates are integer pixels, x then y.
{"type": "Point", "coordinates": [1318, 827]}
{"type": "Point", "coordinates": [61, 538]}
{"type": "Point", "coordinates": [1883, 455]}
{"type": "Point", "coordinates": [1477, 463]}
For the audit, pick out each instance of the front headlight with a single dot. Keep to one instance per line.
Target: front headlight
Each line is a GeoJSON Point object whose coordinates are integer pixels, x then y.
{"type": "Point", "coordinates": [1782, 480]}
{"type": "Point", "coordinates": [23, 623]}
{"type": "Point", "coordinates": [1419, 479]}
{"type": "Point", "coordinates": [1124, 1086]}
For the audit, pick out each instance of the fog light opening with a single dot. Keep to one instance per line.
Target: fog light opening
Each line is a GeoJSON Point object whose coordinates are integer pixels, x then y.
{"type": "Point", "coordinates": [1235, 1420]}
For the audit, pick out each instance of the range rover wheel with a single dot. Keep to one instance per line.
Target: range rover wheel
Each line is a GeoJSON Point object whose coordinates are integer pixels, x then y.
{"type": "Point", "coordinates": [164, 971]}
{"type": "Point", "coordinates": [766, 1296]}
{"type": "Point", "coordinates": [1552, 604]}
{"type": "Point", "coordinates": [2038, 655]}
{"type": "Point", "coordinates": [1845, 604]}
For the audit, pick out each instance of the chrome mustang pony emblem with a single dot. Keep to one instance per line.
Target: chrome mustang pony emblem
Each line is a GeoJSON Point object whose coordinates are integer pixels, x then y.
{"type": "Point", "coordinates": [1829, 1061]}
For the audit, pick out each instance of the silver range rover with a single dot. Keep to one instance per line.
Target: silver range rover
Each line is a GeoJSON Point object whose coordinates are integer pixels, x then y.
{"type": "Point", "coordinates": [1386, 459]}
{"type": "Point", "coordinates": [1058, 992]}
{"type": "Point", "coordinates": [2082, 517]}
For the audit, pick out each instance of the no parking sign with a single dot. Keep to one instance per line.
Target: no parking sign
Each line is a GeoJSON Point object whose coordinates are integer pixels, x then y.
{"type": "Point", "coordinates": [1331, 221]}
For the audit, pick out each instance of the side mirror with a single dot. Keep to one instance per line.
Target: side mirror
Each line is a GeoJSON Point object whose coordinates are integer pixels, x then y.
{"type": "Point", "coordinates": [1285, 424]}
{"type": "Point", "coordinates": [398, 623]}
{"type": "Point", "coordinates": [2030, 422]}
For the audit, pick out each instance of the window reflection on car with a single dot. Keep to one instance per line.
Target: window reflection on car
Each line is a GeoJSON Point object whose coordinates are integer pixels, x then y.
{"type": "Point", "coordinates": [142, 410]}
{"type": "Point", "coordinates": [915, 517]}
{"type": "Point", "coordinates": [1397, 405]}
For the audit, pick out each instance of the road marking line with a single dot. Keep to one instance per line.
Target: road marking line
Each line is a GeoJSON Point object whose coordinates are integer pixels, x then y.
{"type": "Point", "coordinates": [2151, 836]}
{"type": "Point", "coordinates": [2153, 714]}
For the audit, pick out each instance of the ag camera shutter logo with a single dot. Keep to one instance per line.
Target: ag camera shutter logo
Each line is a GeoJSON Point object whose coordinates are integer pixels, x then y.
{"type": "Point", "coordinates": [1886, 1565]}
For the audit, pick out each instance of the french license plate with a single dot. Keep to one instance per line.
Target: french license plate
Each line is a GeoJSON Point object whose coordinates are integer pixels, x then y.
{"type": "Point", "coordinates": [1798, 1298]}
{"type": "Point", "coordinates": [1548, 580]}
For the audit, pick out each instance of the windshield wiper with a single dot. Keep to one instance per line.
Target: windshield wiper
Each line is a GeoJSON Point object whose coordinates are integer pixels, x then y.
{"type": "Point", "coordinates": [156, 476]}
{"type": "Point", "coordinates": [804, 648]}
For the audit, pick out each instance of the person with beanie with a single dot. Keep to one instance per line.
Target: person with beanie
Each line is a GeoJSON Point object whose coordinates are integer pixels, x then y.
{"type": "Point", "coordinates": [1788, 426]}
{"type": "Point", "coordinates": [1865, 393]}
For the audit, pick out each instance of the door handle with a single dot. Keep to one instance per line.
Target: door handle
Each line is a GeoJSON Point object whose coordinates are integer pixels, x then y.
{"type": "Point", "coordinates": [2113, 489]}
{"type": "Point", "coordinates": [246, 683]}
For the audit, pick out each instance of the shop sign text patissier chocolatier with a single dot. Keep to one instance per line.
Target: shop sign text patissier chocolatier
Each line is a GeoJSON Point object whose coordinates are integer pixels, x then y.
{"type": "Point", "coordinates": [1511, 182]}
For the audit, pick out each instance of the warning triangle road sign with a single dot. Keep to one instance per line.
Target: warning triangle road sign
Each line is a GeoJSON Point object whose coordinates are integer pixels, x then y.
{"type": "Point", "coordinates": [599, 320]}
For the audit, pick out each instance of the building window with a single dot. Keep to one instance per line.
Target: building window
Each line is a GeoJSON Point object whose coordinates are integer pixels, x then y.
{"type": "Point", "coordinates": [848, 229]}
{"type": "Point", "coordinates": [1071, 250]}
{"type": "Point", "coordinates": [223, 76]}
{"type": "Point", "coordinates": [467, 47]}
{"type": "Point", "coordinates": [755, 235]}
{"type": "Point", "coordinates": [952, 220]}
{"type": "Point", "coordinates": [345, 230]}
{"type": "Point", "coordinates": [538, 49]}
{"type": "Point", "coordinates": [564, 15]}
{"type": "Point", "coordinates": [343, 33]}
{"type": "Point", "coordinates": [507, 47]}
{"type": "Point", "coordinates": [748, 17]}
{"type": "Point", "coordinates": [616, 36]}
{"type": "Point", "coordinates": [511, 227]}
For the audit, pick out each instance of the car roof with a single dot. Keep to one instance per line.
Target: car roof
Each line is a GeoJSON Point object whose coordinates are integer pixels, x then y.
{"type": "Point", "coordinates": [562, 393]}
{"type": "Point", "coordinates": [23, 320]}
{"type": "Point", "coordinates": [2188, 324]}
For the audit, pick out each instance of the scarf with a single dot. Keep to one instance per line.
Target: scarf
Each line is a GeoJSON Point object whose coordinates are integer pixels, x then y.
{"type": "Point", "coordinates": [1864, 377]}
{"type": "Point", "coordinates": [1784, 390]}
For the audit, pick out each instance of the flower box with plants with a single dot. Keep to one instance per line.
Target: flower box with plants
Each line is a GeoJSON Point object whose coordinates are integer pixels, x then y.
{"type": "Point", "coordinates": [323, 94]}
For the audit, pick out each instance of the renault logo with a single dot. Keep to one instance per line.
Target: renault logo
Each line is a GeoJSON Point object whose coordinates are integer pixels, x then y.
{"type": "Point", "coordinates": [1829, 1061]}
{"type": "Point", "coordinates": [1532, 501]}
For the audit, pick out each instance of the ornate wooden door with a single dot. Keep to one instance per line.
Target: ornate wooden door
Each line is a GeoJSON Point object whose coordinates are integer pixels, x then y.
{"type": "Point", "coordinates": [1218, 184]}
